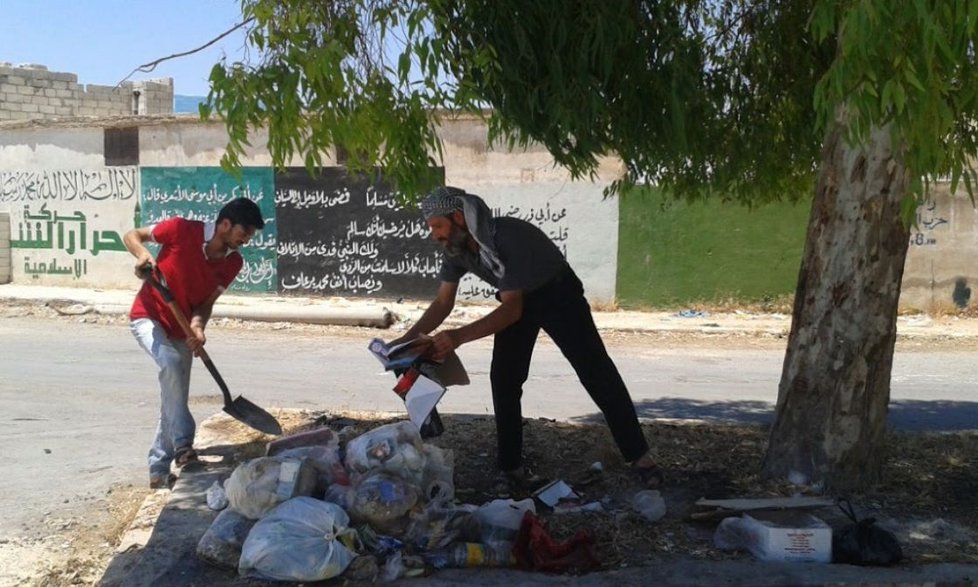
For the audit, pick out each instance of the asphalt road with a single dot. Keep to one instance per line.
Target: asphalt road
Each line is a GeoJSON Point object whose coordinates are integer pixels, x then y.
{"type": "Point", "coordinates": [78, 402]}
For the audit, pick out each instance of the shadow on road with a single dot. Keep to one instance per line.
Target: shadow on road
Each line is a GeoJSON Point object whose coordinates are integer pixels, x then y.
{"type": "Point", "coordinates": [905, 415]}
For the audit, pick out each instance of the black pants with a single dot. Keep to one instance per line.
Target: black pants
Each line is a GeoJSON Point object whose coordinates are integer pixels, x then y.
{"type": "Point", "coordinates": [561, 310]}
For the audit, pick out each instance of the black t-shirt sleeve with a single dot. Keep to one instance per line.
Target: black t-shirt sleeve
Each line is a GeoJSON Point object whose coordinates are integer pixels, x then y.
{"type": "Point", "coordinates": [450, 271]}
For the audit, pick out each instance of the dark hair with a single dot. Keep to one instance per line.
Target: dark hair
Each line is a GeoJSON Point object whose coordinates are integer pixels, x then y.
{"type": "Point", "coordinates": [242, 211]}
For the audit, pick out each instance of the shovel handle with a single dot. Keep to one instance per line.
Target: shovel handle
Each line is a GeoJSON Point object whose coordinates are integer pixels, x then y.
{"type": "Point", "coordinates": [150, 275]}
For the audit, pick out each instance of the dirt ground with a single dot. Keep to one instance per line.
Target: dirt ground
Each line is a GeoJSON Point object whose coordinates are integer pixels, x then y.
{"type": "Point", "coordinates": [927, 495]}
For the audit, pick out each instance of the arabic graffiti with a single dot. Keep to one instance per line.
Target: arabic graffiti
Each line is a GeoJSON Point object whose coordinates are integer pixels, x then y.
{"type": "Point", "coordinates": [197, 193]}
{"type": "Point", "coordinates": [410, 264]}
{"type": "Point", "coordinates": [37, 268]}
{"type": "Point", "coordinates": [927, 220]}
{"type": "Point", "coordinates": [192, 195]}
{"type": "Point", "coordinates": [115, 184]}
{"type": "Point", "coordinates": [381, 228]}
{"type": "Point", "coordinates": [477, 291]}
{"type": "Point", "coordinates": [46, 230]}
{"type": "Point", "coordinates": [331, 282]}
{"type": "Point", "coordinates": [300, 199]}
{"type": "Point", "coordinates": [340, 249]}
{"type": "Point", "coordinates": [550, 221]}
{"type": "Point", "coordinates": [256, 272]}
{"type": "Point", "coordinates": [347, 235]}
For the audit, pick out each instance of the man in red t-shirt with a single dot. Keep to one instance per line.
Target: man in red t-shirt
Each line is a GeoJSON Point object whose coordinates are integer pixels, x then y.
{"type": "Point", "coordinates": [199, 261]}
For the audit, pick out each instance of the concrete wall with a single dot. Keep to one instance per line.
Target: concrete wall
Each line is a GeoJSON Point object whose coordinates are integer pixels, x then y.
{"type": "Point", "coordinates": [941, 271]}
{"type": "Point", "coordinates": [30, 92]}
{"type": "Point", "coordinates": [55, 184]}
{"type": "Point", "coordinates": [526, 184]}
{"type": "Point", "coordinates": [5, 272]}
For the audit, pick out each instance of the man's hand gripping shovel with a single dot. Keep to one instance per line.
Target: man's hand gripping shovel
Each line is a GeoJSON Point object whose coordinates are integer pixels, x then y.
{"type": "Point", "coordinates": [240, 409]}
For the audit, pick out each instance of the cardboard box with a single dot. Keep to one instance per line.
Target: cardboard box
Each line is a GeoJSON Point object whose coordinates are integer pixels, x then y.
{"type": "Point", "coordinates": [790, 536]}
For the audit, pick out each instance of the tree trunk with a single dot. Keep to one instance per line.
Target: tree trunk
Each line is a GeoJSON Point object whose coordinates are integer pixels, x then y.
{"type": "Point", "coordinates": [835, 383]}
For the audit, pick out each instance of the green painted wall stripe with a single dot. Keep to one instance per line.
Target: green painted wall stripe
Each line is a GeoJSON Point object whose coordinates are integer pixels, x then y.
{"type": "Point", "coordinates": [673, 253]}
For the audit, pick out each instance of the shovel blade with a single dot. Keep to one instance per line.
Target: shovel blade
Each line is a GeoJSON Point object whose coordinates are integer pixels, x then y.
{"type": "Point", "coordinates": [248, 413]}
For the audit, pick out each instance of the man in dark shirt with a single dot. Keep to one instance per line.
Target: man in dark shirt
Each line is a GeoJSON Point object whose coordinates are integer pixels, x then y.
{"type": "Point", "coordinates": [537, 289]}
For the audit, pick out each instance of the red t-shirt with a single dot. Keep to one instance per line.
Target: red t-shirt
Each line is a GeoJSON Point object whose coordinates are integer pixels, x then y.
{"type": "Point", "coordinates": [189, 274]}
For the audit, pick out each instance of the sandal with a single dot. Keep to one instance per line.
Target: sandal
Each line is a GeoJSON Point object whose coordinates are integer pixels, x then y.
{"type": "Point", "coordinates": [649, 477]}
{"type": "Point", "coordinates": [185, 456]}
{"type": "Point", "coordinates": [502, 486]}
{"type": "Point", "coordinates": [165, 481]}
{"type": "Point", "coordinates": [508, 482]}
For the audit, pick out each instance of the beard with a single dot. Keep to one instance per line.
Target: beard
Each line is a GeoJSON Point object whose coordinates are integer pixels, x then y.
{"type": "Point", "coordinates": [456, 242]}
{"type": "Point", "coordinates": [230, 245]}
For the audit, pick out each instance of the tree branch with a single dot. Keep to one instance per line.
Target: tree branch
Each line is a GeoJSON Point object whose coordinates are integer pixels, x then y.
{"type": "Point", "coordinates": [148, 67]}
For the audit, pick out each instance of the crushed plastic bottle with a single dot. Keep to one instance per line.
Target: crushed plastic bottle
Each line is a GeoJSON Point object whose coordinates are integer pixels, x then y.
{"type": "Point", "coordinates": [470, 554]}
{"type": "Point", "coordinates": [649, 504]}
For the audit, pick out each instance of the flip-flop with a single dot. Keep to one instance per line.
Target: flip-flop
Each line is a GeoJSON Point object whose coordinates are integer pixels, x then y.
{"type": "Point", "coordinates": [502, 486]}
{"type": "Point", "coordinates": [185, 456]}
{"type": "Point", "coordinates": [165, 481]}
{"type": "Point", "coordinates": [650, 477]}
{"type": "Point", "coordinates": [508, 482]}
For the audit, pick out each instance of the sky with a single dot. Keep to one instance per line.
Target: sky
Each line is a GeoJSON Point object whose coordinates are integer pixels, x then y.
{"type": "Point", "coordinates": [102, 41]}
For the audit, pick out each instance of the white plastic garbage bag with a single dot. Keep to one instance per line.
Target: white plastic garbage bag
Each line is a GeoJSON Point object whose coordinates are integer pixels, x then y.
{"type": "Point", "coordinates": [438, 481]}
{"type": "Point", "coordinates": [221, 543]}
{"type": "Point", "coordinates": [258, 485]}
{"type": "Point", "coordinates": [298, 541]}
{"type": "Point", "coordinates": [500, 519]}
{"type": "Point", "coordinates": [383, 501]}
{"type": "Point", "coordinates": [396, 448]}
{"type": "Point", "coordinates": [325, 459]}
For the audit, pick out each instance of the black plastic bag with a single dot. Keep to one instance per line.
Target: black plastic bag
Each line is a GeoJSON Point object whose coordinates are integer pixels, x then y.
{"type": "Point", "coordinates": [864, 543]}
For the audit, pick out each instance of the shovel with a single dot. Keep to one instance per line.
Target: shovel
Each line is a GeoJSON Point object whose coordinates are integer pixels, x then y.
{"type": "Point", "coordinates": [240, 409]}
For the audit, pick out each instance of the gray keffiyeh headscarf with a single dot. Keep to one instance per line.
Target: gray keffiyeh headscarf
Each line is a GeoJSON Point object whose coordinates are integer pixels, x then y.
{"type": "Point", "coordinates": [443, 201]}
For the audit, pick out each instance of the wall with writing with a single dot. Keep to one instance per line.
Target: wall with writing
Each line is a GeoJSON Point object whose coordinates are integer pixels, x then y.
{"type": "Point", "coordinates": [526, 183]}
{"type": "Point", "coordinates": [348, 236]}
{"type": "Point", "coordinates": [66, 226]}
{"type": "Point", "coordinates": [582, 225]}
{"type": "Point", "coordinates": [325, 236]}
{"type": "Point", "coordinates": [940, 272]}
{"type": "Point", "coordinates": [5, 273]}
{"type": "Point", "coordinates": [199, 192]}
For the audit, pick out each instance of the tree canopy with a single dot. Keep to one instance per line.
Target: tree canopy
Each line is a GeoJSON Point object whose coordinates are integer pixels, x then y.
{"type": "Point", "coordinates": [730, 97]}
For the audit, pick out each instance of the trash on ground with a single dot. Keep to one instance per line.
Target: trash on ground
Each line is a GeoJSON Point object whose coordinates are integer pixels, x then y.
{"type": "Point", "coordinates": [649, 504]}
{"type": "Point", "coordinates": [863, 542]}
{"type": "Point", "coordinates": [552, 493]}
{"type": "Point", "coordinates": [691, 314]}
{"type": "Point", "coordinates": [217, 499]}
{"type": "Point", "coordinates": [500, 519]}
{"type": "Point", "coordinates": [257, 486]}
{"type": "Point", "coordinates": [300, 540]}
{"type": "Point", "coordinates": [382, 505]}
{"type": "Point", "coordinates": [221, 543]}
{"type": "Point", "coordinates": [535, 549]}
{"type": "Point", "coordinates": [784, 536]}
{"type": "Point", "coordinates": [576, 507]}
{"type": "Point", "coordinates": [722, 508]}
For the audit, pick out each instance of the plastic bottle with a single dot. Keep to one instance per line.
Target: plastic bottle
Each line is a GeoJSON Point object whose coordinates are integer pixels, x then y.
{"type": "Point", "coordinates": [649, 504]}
{"type": "Point", "coordinates": [470, 554]}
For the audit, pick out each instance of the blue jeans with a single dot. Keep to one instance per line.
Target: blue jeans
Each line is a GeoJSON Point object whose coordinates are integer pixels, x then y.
{"type": "Point", "coordinates": [173, 359]}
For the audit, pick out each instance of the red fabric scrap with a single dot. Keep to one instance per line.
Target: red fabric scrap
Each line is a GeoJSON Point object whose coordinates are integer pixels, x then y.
{"type": "Point", "coordinates": [536, 550]}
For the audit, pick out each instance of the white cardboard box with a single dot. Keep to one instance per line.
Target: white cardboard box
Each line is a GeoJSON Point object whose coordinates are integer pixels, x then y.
{"type": "Point", "coordinates": [790, 536]}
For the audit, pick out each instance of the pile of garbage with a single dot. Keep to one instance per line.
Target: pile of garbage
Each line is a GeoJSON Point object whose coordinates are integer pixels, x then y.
{"type": "Point", "coordinates": [377, 507]}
